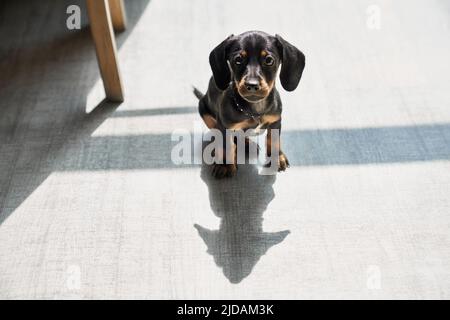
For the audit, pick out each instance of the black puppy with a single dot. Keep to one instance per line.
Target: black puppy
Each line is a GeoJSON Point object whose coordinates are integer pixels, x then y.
{"type": "Point", "coordinates": [242, 94]}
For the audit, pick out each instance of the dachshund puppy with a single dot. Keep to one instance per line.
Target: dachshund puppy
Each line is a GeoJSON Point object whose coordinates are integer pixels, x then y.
{"type": "Point", "coordinates": [242, 94]}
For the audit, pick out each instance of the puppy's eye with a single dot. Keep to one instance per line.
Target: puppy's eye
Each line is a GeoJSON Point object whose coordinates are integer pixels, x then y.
{"type": "Point", "coordinates": [269, 60]}
{"type": "Point", "coordinates": [238, 60]}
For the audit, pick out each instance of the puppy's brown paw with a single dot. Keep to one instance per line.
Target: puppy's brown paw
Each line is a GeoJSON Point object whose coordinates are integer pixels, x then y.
{"type": "Point", "coordinates": [224, 170]}
{"type": "Point", "coordinates": [283, 162]}
{"type": "Point", "coordinates": [282, 165]}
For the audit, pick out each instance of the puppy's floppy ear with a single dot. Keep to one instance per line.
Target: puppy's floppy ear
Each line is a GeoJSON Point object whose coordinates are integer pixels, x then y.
{"type": "Point", "coordinates": [219, 65]}
{"type": "Point", "coordinates": [292, 64]}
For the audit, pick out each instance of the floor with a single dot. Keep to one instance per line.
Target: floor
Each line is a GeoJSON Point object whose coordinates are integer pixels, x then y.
{"type": "Point", "coordinates": [92, 206]}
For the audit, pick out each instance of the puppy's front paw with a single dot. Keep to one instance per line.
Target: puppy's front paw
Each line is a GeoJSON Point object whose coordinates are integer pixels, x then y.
{"type": "Point", "coordinates": [224, 170]}
{"type": "Point", "coordinates": [283, 162]}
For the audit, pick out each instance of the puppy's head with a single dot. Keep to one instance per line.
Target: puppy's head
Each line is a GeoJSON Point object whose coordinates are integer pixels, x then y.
{"type": "Point", "coordinates": [251, 61]}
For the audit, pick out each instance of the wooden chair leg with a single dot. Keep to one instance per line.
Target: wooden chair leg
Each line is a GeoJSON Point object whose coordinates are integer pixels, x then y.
{"type": "Point", "coordinates": [118, 15]}
{"type": "Point", "coordinates": [105, 47]}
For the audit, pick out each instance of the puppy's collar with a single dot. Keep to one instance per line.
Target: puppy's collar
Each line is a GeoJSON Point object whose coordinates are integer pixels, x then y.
{"type": "Point", "coordinates": [246, 111]}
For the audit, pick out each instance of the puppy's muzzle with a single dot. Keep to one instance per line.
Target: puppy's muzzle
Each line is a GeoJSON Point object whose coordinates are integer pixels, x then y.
{"type": "Point", "coordinates": [253, 89]}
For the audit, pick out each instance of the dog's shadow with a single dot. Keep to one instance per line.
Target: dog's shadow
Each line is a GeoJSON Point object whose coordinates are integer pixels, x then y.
{"type": "Point", "coordinates": [240, 203]}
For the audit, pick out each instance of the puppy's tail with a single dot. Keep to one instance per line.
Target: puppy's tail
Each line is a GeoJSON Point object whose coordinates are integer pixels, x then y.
{"type": "Point", "coordinates": [197, 93]}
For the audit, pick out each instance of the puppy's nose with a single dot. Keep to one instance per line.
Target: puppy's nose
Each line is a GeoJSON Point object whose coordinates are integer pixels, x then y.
{"type": "Point", "coordinates": [252, 85]}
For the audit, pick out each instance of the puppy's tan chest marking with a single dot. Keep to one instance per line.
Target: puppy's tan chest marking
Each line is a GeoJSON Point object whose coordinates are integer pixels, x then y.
{"type": "Point", "coordinates": [263, 122]}
{"type": "Point", "coordinates": [246, 124]}
{"type": "Point", "coordinates": [270, 118]}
